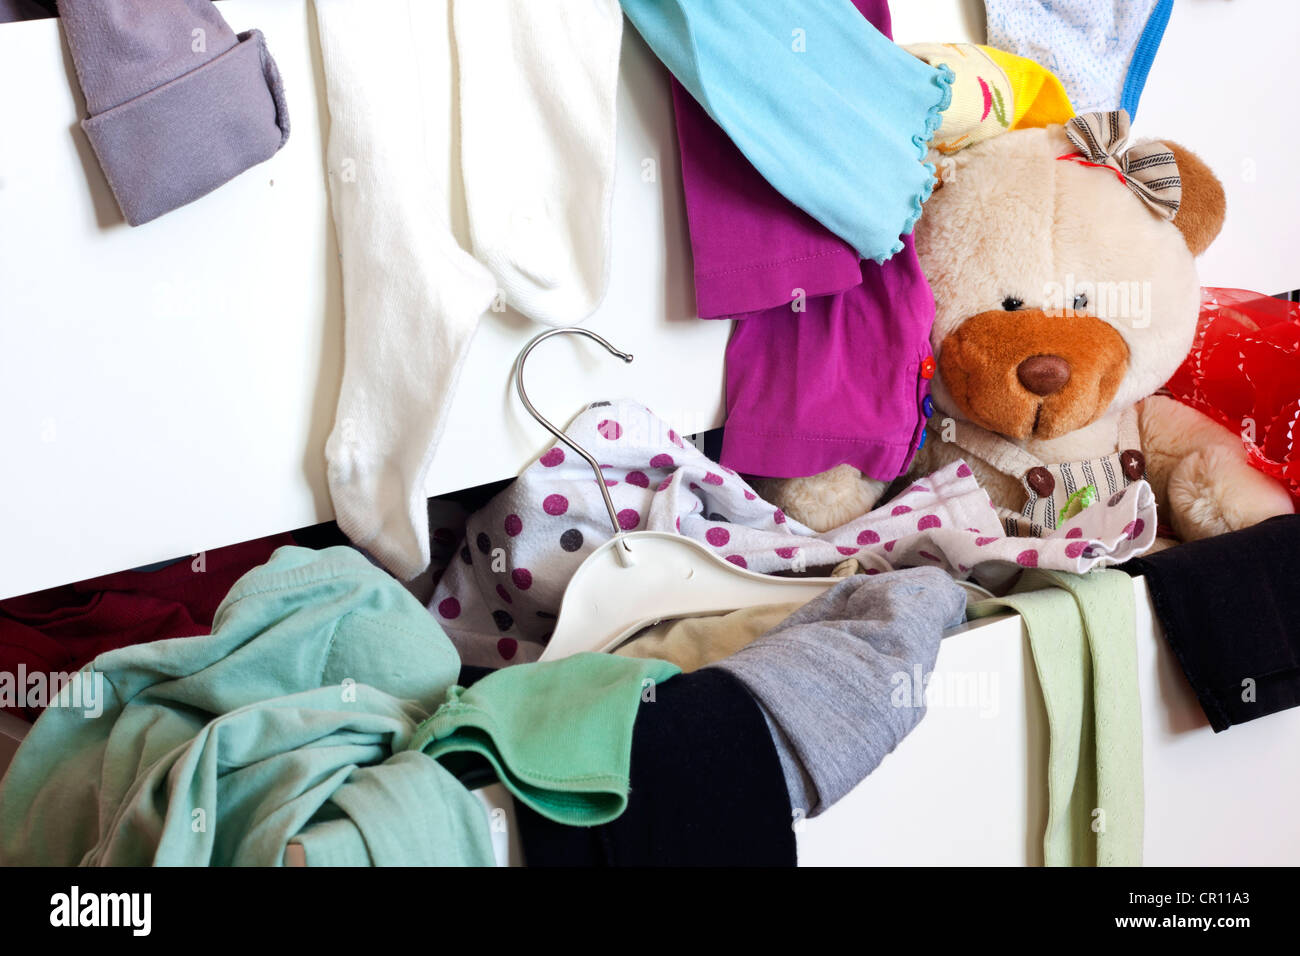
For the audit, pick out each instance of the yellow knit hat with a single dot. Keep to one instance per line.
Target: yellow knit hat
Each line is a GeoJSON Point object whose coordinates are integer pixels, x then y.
{"type": "Point", "coordinates": [992, 92]}
{"type": "Point", "coordinates": [1039, 97]}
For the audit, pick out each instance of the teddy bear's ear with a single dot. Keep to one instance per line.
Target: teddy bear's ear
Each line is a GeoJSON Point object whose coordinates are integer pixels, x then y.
{"type": "Point", "coordinates": [1203, 206]}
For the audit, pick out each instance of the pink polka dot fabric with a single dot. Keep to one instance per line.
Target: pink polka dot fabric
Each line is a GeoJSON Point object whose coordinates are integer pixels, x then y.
{"type": "Point", "coordinates": [501, 594]}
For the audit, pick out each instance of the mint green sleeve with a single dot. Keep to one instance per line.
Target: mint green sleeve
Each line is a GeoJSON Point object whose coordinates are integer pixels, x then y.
{"type": "Point", "coordinates": [557, 734]}
{"type": "Point", "coordinates": [1105, 601]}
{"type": "Point", "coordinates": [289, 723]}
{"type": "Point", "coordinates": [1082, 634]}
{"type": "Point", "coordinates": [1060, 652]}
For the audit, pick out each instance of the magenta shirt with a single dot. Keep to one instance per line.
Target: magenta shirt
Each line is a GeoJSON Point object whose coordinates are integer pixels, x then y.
{"type": "Point", "coordinates": [842, 382]}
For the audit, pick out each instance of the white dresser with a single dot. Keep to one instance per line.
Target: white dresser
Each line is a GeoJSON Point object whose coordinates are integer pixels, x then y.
{"type": "Point", "coordinates": [169, 389]}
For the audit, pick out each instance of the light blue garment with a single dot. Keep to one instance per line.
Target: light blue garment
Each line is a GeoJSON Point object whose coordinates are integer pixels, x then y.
{"type": "Point", "coordinates": [1101, 50]}
{"type": "Point", "coordinates": [1145, 54]}
{"type": "Point", "coordinates": [288, 723]}
{"type": "Point", "coordinates": [833, 114]}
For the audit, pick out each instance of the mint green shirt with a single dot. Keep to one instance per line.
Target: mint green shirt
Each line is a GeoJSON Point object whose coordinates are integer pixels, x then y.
{"type": "Point", "coordinates": [289, 722]}
{"type": "Point", "coordinates": [312, 715]}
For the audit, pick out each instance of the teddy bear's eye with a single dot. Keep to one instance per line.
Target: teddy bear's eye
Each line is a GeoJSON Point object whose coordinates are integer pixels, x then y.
{"type": "Point", "coordinates": [1080, 302]}
{"type": "Point", "coordinates": [1011, 303]}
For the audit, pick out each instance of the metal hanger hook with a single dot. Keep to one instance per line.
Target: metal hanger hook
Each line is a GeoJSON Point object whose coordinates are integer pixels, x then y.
{"type": "Point", "coordinates": [532, 410]}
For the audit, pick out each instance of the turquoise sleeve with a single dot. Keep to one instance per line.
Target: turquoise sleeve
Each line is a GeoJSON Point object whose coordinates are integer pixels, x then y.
{"type": "Point", "coordinates": [832, 113]}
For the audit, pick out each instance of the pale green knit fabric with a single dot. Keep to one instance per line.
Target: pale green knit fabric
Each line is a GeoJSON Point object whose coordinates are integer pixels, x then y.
{"type": "Point", "coordinates": [1082, 632]}
{"type": "Point", "coordinates": [288, 723]}
{"type": "Point", "coordinates": [320, 711]}
{"type": "Point", "coordinates": [558, 734]}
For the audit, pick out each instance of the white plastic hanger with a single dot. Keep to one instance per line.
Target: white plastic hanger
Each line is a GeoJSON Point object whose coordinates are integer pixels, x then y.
{"type": "Point", "coordinates": [639, 578]}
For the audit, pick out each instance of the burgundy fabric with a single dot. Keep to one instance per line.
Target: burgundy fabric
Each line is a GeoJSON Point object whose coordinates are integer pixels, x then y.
{"type": "Point", "coordinates": [62, 629]}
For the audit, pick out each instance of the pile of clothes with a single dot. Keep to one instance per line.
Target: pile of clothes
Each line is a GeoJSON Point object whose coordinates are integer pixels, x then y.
{"type": "Point", "coordinates": [272, 702]}
{"type": "Point", "coordinates": [323, 708]}
{"type": "Point", "coordinates": [327, 710]}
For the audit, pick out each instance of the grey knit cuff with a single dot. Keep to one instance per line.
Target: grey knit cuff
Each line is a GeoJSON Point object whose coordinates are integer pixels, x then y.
{"type": "Point", "coordinates": [185, 138]}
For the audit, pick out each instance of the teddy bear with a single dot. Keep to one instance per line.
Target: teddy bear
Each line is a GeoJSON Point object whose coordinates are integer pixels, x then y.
{"type": "Point", "coordinates": [1062, 262]}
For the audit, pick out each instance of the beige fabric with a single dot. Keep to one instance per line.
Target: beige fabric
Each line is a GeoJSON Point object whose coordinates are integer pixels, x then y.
{"type": "Point", "coordinates": [695, 642]}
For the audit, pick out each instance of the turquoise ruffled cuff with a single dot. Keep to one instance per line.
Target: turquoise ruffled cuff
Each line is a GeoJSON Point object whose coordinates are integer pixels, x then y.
{"type": "Point", "coordinates": [831, 112]}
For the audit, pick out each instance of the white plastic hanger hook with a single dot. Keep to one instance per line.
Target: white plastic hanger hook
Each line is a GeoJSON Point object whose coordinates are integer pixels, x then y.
{"type": "Point", "coordinates": [624, 551]}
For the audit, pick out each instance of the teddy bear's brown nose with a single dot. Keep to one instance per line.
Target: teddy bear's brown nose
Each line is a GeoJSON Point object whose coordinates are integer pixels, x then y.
{"type": "Point", "coordinates": [1043, 374]}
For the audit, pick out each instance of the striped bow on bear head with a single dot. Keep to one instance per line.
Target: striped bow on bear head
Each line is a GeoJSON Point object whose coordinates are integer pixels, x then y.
{"type": "Point", "coordinates": [1149, 169]}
